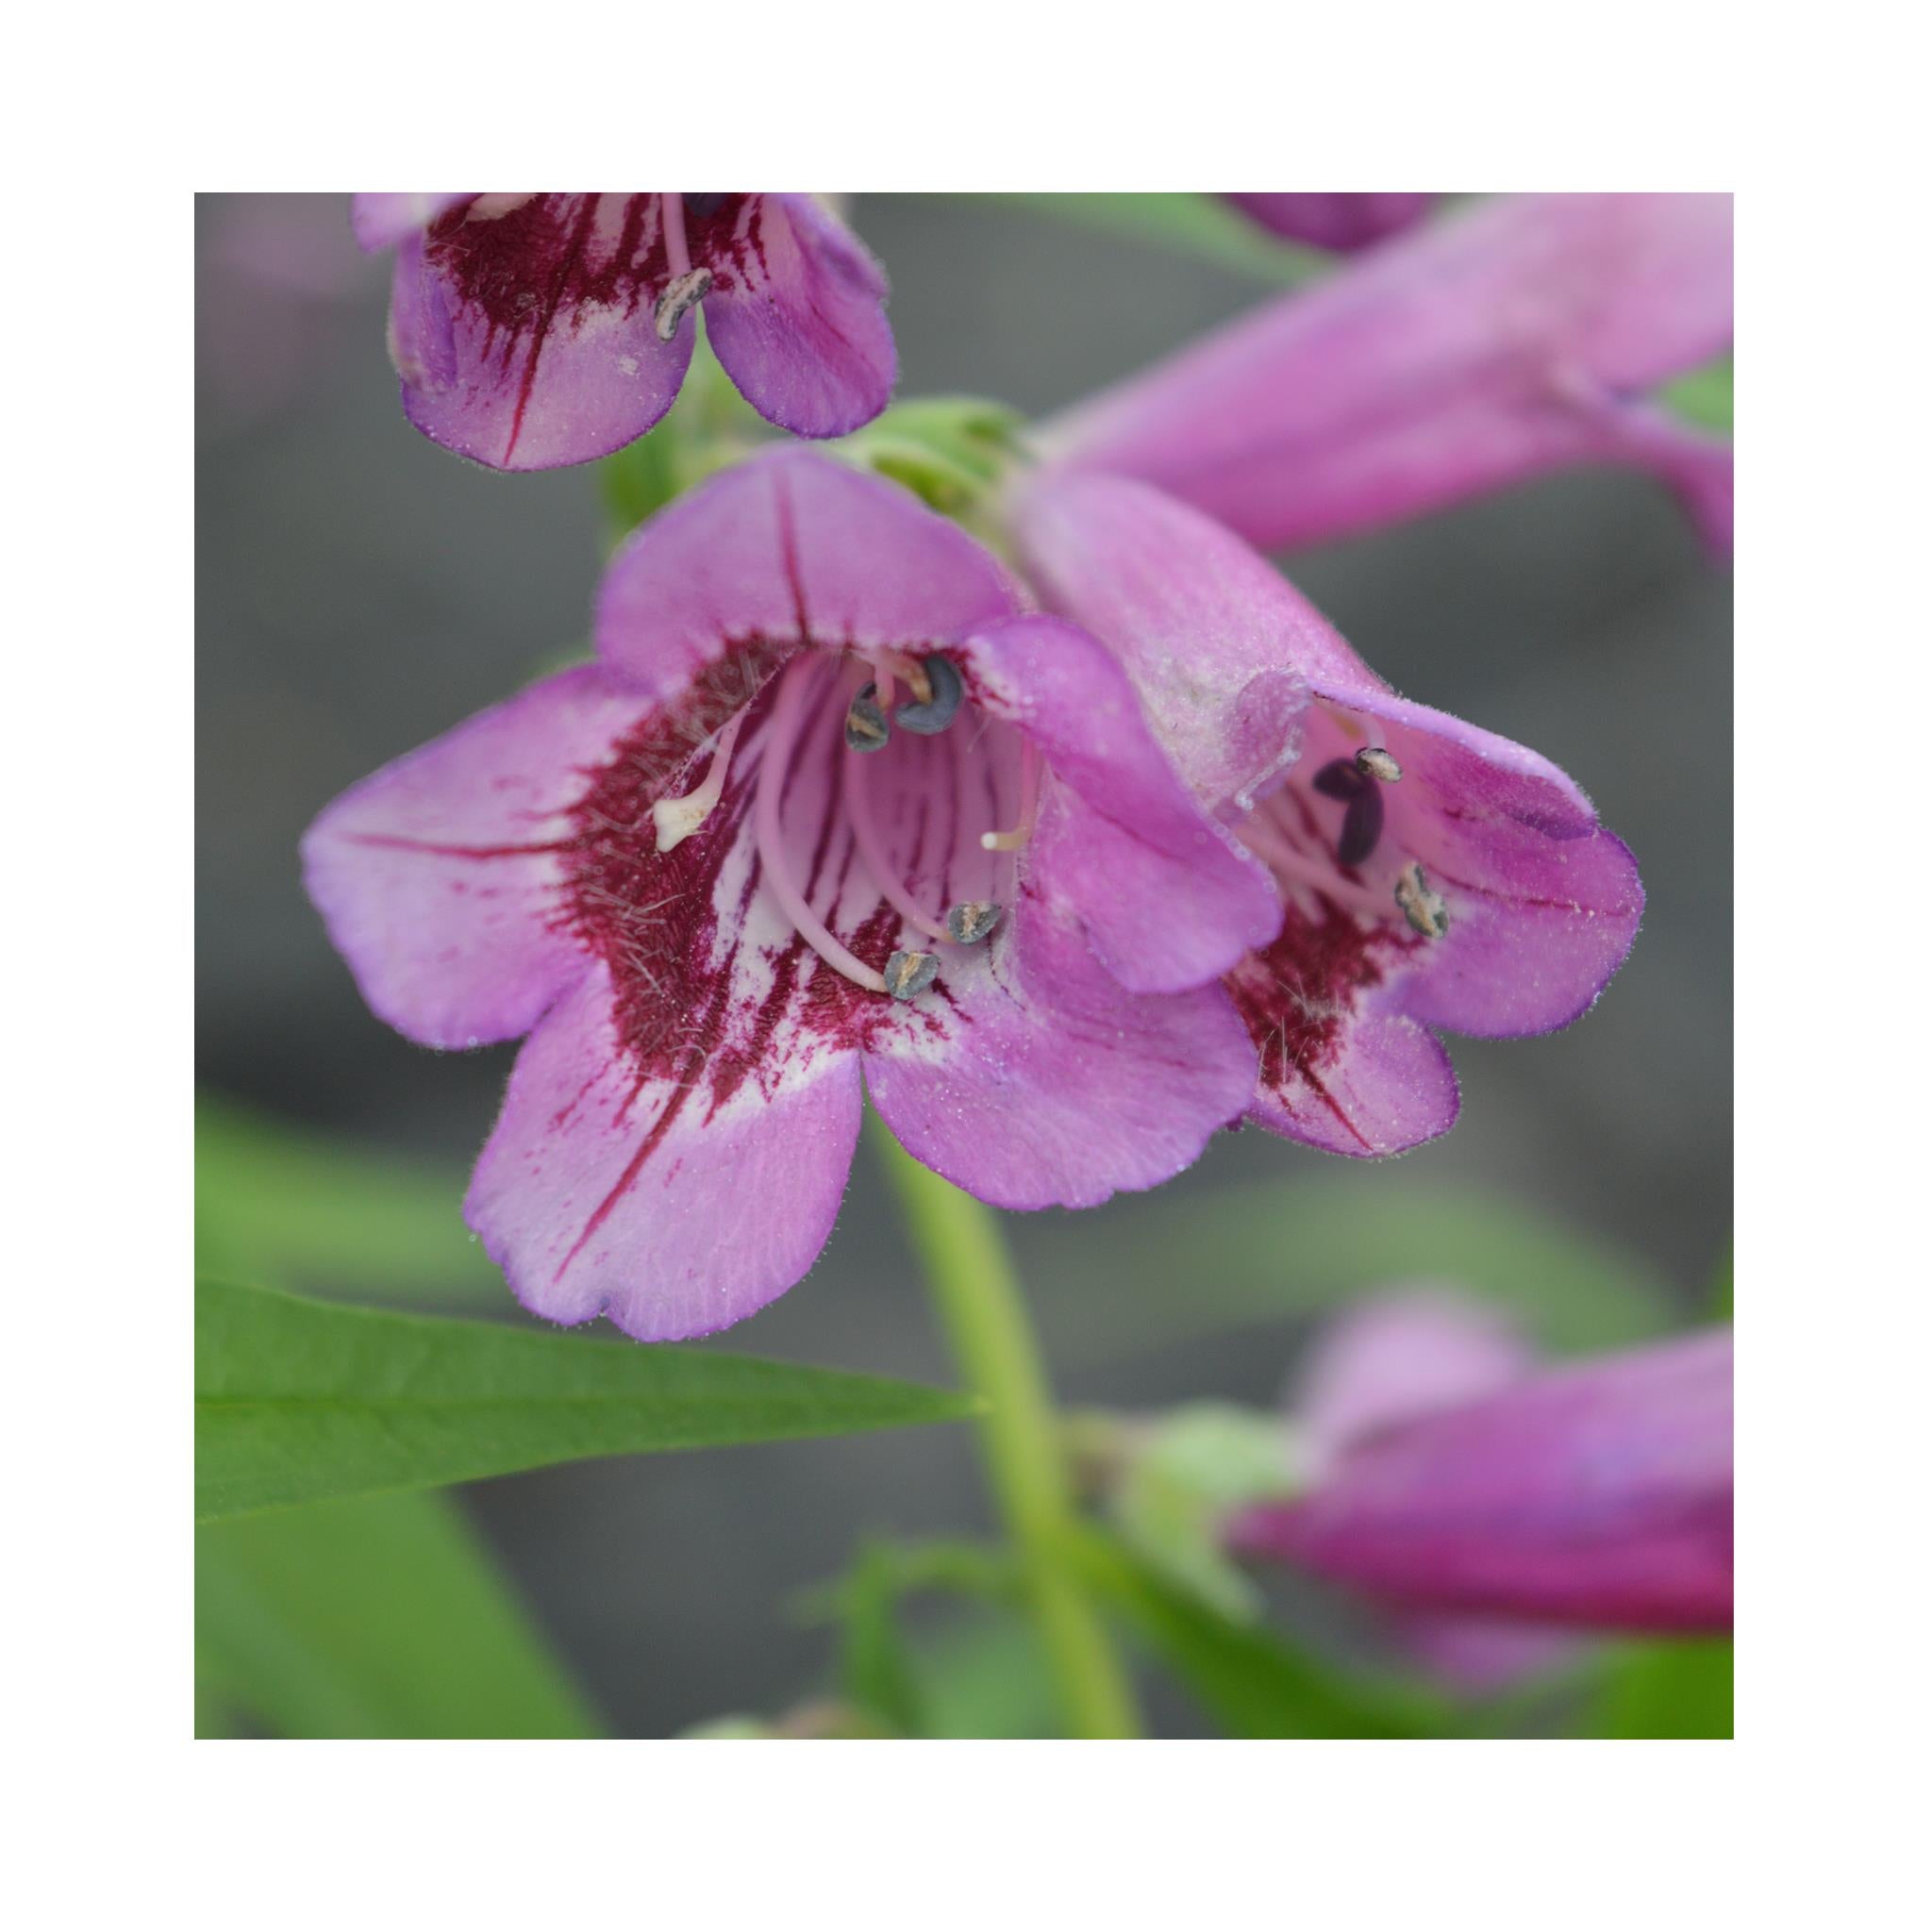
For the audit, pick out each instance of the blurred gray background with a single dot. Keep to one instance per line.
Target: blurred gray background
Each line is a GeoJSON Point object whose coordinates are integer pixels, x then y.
{"type": "Point", "coordinates": [360, 590]}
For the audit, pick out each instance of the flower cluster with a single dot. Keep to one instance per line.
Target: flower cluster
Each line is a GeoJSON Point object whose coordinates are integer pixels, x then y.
{"type": "Point", "coordinates": [1068, 860]}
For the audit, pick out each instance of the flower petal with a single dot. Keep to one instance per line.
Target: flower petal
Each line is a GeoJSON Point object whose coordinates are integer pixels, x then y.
{"type": "Point", "coordinates": [1361, 1080]}
{"type": "Point", "coordinates": [523, 327]}
{"type": "Point", "coordinates": [438, 876]}
{"type": "Point", "coordinates": [1460, 358]}
{"type": "Point", "coordinates": [796, 547]}
{"type": "Point", "coordinates": [666, 1204]}
{"type": "Point", "coordinates": [797, 313]}
{"type": "Point", "coordinates": [1480, 1656]}
{"type": "Point", "coordinates": [380, 221]}
{"type": "Point", "coordinates": [1041, 1082]}
{"type": "Point", "coordinates": [1218, 644]}
{"type": "Point", "coordinates": [1598, 1495]}
{"type": "Point", "coordinates": [1340, 222]}
{"type": "Point", "coordinates": [1167, 897]}
{"type": "Point", "coordinates": [1543, 903]}
{"type": "Point", "coordinates": [1405, 1355]}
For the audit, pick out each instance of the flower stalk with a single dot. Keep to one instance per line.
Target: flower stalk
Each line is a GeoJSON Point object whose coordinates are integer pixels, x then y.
{"type": "Point", "coordinates": [984, 1314]}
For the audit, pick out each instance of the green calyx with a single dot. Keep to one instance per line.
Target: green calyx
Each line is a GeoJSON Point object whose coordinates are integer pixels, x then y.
{"type": "Point", "coordinates": [954, 453]}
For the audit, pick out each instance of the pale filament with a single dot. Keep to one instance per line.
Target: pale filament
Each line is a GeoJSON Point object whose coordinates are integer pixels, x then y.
{"type": "Point", "coordinates": [782, 742]}
{"type": "Point", "coordinates": [678, 818]}
{"type": "Point", "coordinates": [890, 664]}
{"type": "Point", "coordinates": [676, 249]}
{"type": "Point", "coordinates": [872, 846]}
{"type": "Point", "coordinates": [1273, 849]}
{"type": "Point", "coordinates": [1030, 804]}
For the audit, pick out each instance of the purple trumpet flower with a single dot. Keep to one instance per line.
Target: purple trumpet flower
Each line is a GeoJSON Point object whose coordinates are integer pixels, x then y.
{"type": "Point", "coordinates": [1342, 222]}
{"type": "Point", "coordinates": [1521, 337]}
{"type": "Point", "coordinates": [828, 804]}
{"type": "Point", "coordinates": [1406, 1354]}
{"type": "Point", "coordinates": [1430, 873]}
{"type": "Point", "coordinates": [1595, 1496]}
{"type": "Point", "coordinates": [533, 330]}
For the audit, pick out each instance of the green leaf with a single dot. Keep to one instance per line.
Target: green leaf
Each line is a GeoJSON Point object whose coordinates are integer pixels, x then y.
{"type": "Point", "coordinates": [297, 1401]}
{"type": "Point", "coordinates": [1681, 1689]}
{"type": "Point", "coordinates": [1199, 225]}
{"type": "Point", "coordinates": [1250, 1681]}
{"type": "Point", "coordinates": [984, 1675]}
{"type": "Point", "coordinates": [1722, 1294]}
{"type": "Point", "coordinates": [1177, 1266]}
{"type": "Point", "coordinates": [380, 1618]}
{"type": "Point", "coordinates": [275, 1202]}
{"type": "Point", "coordinates": [877, 1667]}
{"type": "Point", "coordinates": [1704, 396]}
{"type": "Point", "coordinates": [1182, 1476]}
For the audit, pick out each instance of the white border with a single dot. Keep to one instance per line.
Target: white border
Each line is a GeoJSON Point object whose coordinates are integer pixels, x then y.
{"type": "Point", "coordinates": [1806, 1813]}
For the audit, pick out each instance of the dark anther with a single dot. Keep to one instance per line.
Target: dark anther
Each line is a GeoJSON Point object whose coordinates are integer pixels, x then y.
{"type": "Point", "coordinates": [1373, 762]}
{"type": "Point", "coordinates": [909, 975]}
{"type": "Point", "coordinates": [867, 727]}
{"type": "Point", "coordinates": [970, 921]}
{"type": "Point", "coordinates": [1338, 778]}
{"type": "Point", "coordinates": [700, 206]}
{"type": "Point", "coordinates": [1361, 823]}
{"type": "Point", "coordinates": [934, 714]}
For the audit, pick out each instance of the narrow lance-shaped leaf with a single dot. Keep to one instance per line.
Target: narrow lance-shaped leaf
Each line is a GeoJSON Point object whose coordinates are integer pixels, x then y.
{"type": "Point", "coordinates": [297, 1401]}
{"type": "Point", "coordinates": [383, 1617]}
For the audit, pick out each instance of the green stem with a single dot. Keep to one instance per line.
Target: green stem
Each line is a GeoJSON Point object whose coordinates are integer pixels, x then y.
{"type": "Point", "coordinates": [984, 1314]}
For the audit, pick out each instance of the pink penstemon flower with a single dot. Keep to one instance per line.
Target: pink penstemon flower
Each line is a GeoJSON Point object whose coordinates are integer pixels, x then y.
{"type": "Point", "coordinates": [1525, 334]}
{"type": "Point", "coordinates": [829, 806]}
{"type": "Point", "coordinates": [1449, 1480]}
{"type": "Point", "coordinates": [1431, 875]}
{"type": "Point", "coordinates": [1343, 223]}
{"type": "Point", "coordinates": [1402, 1355]}
{"type": "Point", "coordinates": [533, 330]}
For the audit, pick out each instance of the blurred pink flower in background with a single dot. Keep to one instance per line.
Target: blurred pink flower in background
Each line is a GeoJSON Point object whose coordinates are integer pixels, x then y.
{"type": "Point", "coordinates": [1524, 335]}
{"type": "Point", "coordinates": [1450, 1478]}
{"type": "Point", "coordinates": [1340, 221]}
{"type": "Point", "coordinates": [280, 285]}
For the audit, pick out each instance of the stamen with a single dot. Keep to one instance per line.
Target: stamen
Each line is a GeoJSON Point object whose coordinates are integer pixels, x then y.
{"type": "Point", "coordinates": [971, 920]}
{"type": "Point", "coordinates": [781, 742]}
{"type": "Point", "coordinates": [872, 848]}
{"type": "Point", "coordinates": [1030, 804]}
{"type": "Point", "coordinates": [1423, 909]}
{"type": "Point", "coordinates": [939, 704]}
{"type": "Point", "coordinates": [867, 727]}
{"type": "Point", "coordinates": [678, 818]}
{"type": "Point", "coordinates": [1284, 860]}
{"type": "Point", "coordinates": [909, 975]}
{"type": "Point", "coordinates": [681, 295]}
{"type": "Point", "coordinates": [1373, 762]}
